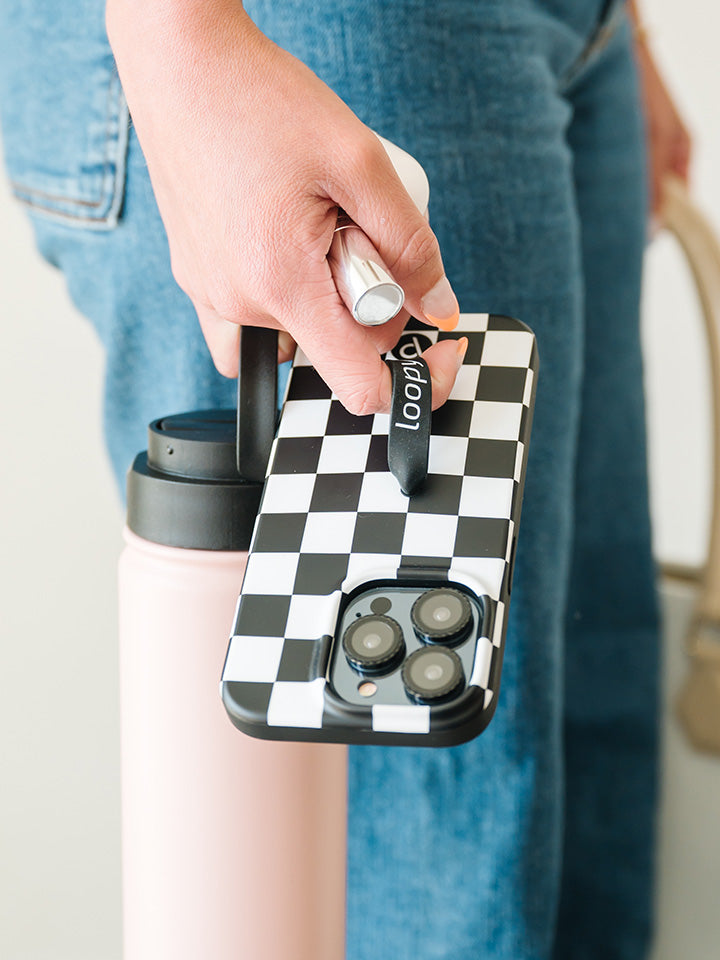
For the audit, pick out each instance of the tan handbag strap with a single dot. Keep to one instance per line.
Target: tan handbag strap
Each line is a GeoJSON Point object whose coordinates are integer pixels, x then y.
{"type": "Point", "coordinates": [697, 705]}
{"type": "Point", "coordinates": [702, 250]}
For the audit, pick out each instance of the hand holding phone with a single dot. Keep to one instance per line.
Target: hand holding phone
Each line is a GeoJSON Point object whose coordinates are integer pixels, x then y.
{"type": "Point", "coordinates": [370, 616]}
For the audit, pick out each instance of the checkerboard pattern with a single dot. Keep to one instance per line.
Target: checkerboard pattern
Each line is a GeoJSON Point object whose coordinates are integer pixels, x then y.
{"type": "Point", "coordinates": [333, 517]}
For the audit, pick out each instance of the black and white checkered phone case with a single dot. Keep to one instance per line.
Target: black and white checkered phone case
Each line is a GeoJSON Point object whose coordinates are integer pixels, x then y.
{"type": "Point", "coordinates": [333, 518]}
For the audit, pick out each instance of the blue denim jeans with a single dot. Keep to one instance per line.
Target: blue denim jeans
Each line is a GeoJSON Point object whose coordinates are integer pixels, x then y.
{"type": "Point", "coordinates": [536, 839]}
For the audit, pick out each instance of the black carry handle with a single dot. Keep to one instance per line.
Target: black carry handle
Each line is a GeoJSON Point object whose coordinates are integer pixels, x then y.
{"type": "Point", "coordinates": [409, 431]}
{"type": "Point", "coordinates": [257, 401]}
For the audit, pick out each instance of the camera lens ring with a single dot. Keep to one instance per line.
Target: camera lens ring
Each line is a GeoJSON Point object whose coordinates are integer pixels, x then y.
{"type": "Point", "coordinates": [373, 644]}
{"type": "Point", "coordinates": [432, 674]}
{"type": "Point", "coordinates": [442, 615]}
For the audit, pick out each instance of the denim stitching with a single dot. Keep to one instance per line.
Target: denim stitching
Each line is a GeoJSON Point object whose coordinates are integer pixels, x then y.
{"type": "Point", "coordinates": [603, 32]}
{"type": "Point", "coordinates": [26, 195]}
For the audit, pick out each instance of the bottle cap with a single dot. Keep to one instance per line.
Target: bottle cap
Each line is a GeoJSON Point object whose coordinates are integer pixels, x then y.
{"type": "Point", "coordinates": [185, 490]}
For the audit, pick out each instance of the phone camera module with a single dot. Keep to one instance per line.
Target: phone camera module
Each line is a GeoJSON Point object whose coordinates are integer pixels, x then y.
{"type": "Point", "coordinates": [374, 644]}
{"type": "Point", "coordinates": [442, 616]}
{"type": "Point", "coordinates": [432, 674]}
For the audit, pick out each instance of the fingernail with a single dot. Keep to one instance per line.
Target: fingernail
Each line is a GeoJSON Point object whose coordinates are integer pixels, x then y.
{"type": "Point", "coordinates": [462, 346]}
{"type": "Point", "coordinates": [440, 306]}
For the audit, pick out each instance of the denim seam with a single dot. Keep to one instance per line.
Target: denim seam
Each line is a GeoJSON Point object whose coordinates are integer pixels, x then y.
{"type": "Point", "coordinates": [598, 40]}
{"type": "Point", "coordinates": [112, 177]}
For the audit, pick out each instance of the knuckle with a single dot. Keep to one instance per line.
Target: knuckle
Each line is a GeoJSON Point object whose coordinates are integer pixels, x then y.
{"type": "Point", "coordinates": [360, 400]}
{"type": "Point", "coordinates": [228, 302]}
{"type": "Point", "coordinates": [213, 293]}
{"type": "Point", "coordinates": [420, 249]}
{"type": "Point", "coordinates": [387, 339]}
{"type": "Point", "coordinates": [364, 154]}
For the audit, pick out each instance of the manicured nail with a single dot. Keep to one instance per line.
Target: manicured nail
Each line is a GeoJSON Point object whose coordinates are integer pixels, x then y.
{"type": "Point", "coordinates": [440, 307]}
{"type": "Point", "coordinates": [462, 346]}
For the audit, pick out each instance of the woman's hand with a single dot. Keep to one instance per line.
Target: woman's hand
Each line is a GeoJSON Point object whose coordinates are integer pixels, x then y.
{"type": "Point", "coordinates": [250, 155]}
{"type": "Point", "coordinates": [669, 143]}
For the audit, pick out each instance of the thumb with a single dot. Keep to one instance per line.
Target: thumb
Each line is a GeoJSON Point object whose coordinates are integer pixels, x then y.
{"type": "Point", "coordinates": [444, 360]}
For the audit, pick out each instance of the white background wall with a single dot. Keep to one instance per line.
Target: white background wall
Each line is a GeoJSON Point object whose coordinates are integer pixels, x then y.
{"type": "Point", "coordinates": [684, 36]}
{"type": "Point", "coordinates": [61, 522]}
{"type": "Point", "coordinates": [60, 525]}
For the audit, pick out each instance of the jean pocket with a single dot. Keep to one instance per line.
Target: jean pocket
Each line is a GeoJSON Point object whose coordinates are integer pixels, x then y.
{"type": "Point", "coordinates": [612, 15]}
{"type": "Point", "coordinates": [64, 117]}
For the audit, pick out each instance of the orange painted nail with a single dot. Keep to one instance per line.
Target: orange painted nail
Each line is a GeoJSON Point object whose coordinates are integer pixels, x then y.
{"type": "Point", "coordinates": [440, 307]}
{"type": "Point", "coordinates": [444, 323]}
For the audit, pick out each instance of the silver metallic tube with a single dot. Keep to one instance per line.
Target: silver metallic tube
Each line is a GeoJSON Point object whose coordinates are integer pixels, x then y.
{"type": "Point", "coordinates": [361, 278]}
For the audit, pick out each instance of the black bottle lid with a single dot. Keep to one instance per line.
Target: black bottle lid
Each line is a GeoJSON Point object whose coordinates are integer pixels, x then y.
{"type": "Point", "coordinates": [185, 490]}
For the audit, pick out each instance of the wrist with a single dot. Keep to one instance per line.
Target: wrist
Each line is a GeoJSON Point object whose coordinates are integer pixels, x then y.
{"type": "Point", "coordinates": [178, 48]}
{"type": "Point", "coordinates": [157, 22]}
{"type": "Point", "coordinates": [173, 11]}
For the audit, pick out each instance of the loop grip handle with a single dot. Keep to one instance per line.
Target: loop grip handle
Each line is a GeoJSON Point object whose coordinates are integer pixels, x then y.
{"type": "Point", "coordinates": [410, 419]}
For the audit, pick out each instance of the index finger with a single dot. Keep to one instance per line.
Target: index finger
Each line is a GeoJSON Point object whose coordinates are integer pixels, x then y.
{"type": "Point", "coordinates": [343, 353]}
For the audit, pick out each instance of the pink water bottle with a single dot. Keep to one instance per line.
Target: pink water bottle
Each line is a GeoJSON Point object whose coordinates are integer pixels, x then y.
{"type": "Point", "coordinates": [233, 848]}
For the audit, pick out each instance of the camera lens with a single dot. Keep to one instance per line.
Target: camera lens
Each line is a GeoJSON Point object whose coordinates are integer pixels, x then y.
{"type": "Point", "coordinates": [442, 616]}
{"type": "Point", "coordinates": [374, 644]}
{"type": "Point", "coordinates": [432, 673]}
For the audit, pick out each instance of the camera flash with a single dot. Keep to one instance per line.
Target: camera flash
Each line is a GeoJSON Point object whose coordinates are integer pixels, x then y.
{"type": "Point", "coordinates": [367, 688]}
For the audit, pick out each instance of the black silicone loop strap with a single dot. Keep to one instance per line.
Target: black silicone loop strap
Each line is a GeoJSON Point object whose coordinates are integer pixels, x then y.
{"type": "Point", "coordinates": [410, 415]}
{"type": "Point", "coordinates": [257, 401]}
